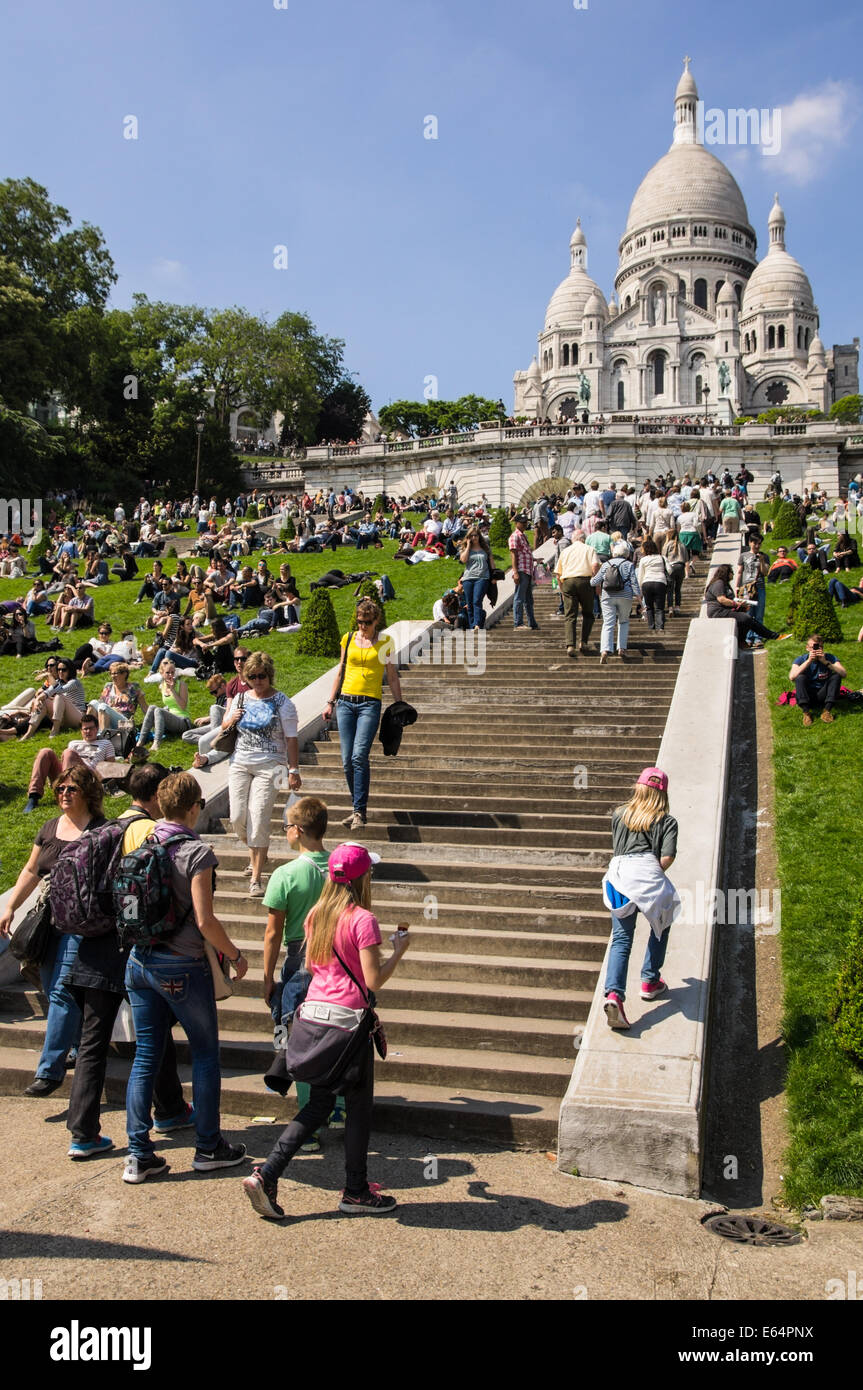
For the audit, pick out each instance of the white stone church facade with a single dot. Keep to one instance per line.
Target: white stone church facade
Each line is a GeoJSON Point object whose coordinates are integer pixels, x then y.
{"type": "Point", "coordinates": [696, 322]}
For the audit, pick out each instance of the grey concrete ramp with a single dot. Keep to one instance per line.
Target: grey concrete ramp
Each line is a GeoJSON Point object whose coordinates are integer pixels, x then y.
{"type": "Point", "coordinates": [634, 1109]}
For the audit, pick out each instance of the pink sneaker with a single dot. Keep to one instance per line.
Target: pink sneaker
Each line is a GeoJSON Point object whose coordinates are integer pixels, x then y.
{"type": "Point", "coordinates": [614, 1011]}
{"type": "Point", "coordinates": [653, 991]}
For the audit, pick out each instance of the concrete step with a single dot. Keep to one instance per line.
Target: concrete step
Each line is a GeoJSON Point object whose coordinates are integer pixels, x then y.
{"type": "Point", "coordinates": [245, 1034]}
{"type": "Point", "coordinates": [526, 1121]}
{"type": "Point", "coordinates": [505, 970]}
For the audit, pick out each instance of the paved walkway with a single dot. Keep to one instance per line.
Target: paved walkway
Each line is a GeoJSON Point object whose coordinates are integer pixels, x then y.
{"type": "Point", "coordinates": [491, 1225]}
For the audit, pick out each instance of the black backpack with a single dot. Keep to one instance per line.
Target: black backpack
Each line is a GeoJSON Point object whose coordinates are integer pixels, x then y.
{"type": "Point", "coordinates": [612, 582]}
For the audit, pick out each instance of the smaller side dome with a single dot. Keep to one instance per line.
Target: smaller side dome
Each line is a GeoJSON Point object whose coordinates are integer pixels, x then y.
{"type": "Point", "coordinates": [533, 372]}
{"type": "Point", "coordinates": [816, 350]}
{"type": "Point", "coordinates": [595, 306]}
{"type": "Point", "coordinates": [726, 295]}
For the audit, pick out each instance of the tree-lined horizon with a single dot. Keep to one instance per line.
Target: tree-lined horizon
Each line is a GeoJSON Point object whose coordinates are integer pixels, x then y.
{"type": "Point", "coordinates": [133, 381]}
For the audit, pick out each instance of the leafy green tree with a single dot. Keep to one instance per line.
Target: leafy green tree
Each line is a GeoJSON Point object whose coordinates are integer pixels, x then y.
{"type": "Point", "coordinates": [847, 410]}
{"type": "Point", "coordinates": [418, 418]}
{"type": "Point", "coordinates": [342, 412]}
{"type": "Point", "coordinates": [67, 269]}
{"type": "Point", "coordinates": [30, 458]}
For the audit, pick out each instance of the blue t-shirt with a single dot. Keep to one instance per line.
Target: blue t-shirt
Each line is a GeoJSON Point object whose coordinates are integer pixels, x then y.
{"type": "Point", "coordinates": [817, 674]}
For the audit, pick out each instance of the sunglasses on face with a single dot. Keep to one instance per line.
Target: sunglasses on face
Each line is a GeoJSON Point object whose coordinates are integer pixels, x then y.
{"type": "Point", "coordinates": [67, 790]}
{"type": "Point", "coordinates": [364, 622]}
{"type": "Point", "coordinates": [259, 678]}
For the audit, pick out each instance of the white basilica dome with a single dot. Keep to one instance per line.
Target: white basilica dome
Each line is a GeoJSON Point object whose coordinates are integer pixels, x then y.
{"type": "Point", "coordinates": [688, 181]}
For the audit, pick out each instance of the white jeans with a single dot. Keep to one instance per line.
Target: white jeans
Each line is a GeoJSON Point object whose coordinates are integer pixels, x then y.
{"type": "Point", "coordinates": [252, 793]}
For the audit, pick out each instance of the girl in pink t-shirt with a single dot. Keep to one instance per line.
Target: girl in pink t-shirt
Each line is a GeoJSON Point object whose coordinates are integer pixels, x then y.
{"type": "Point", "coordinates": [340, 924]}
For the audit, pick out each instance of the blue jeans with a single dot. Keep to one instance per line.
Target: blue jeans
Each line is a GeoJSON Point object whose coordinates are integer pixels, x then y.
{"type": "Point", "coordinates": [622, 933]}
{"type": "Point", "coordinates": [358, 724]}
{"type": "Point", "coordinates": [475, 592]}
{"type": "Point", "coordinates": [291, 989]}
{"type": "Point", "coordinates": [180, 661]}
{"type": "Point", "coordinates": [161, 987]}
{"type": "Point", "coordinates": [760, 601]}
{"type": "Point", "coordinates": [523, 600]}
{"type": "Point", "coordinates": [63, 1027]}
{"type": "Point", "coordinates": [615, 614]}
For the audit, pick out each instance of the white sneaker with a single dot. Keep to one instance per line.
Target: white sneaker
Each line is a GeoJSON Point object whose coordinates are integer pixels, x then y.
{"type": "Point", "coordinates": [256, 888]}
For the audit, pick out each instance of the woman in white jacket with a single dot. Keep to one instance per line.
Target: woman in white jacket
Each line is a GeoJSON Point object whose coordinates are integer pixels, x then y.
{"type": "Point", "coordinates": [645, 845]}
{"type": "Point", "coordinates": [653, 582]}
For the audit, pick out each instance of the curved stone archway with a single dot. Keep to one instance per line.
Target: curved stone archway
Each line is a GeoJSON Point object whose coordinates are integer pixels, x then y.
{"type": "Point", "coordinates": [545, 486]}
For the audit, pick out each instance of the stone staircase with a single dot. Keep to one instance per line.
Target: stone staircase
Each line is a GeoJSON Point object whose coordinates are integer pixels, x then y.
{"type": "Point", "coordinates": [493, 825]}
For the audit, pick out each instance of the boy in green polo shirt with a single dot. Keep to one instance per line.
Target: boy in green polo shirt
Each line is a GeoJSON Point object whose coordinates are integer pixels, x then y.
{"type": "Point", "coordinates": [291, 893]}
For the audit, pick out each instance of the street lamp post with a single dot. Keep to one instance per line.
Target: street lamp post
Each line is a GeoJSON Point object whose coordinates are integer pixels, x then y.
{"type": "Point", "coordinates": [705, 391]}
{"type": "Point", "coordinates": [200, 422]}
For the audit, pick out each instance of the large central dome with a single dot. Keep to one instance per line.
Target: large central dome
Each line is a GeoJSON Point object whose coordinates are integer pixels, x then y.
{"type": "Point", "coordinates": [688, 181]}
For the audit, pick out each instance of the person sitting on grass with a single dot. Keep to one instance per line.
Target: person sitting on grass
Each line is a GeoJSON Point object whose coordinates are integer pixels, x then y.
{"type": "Point", "coordinates": [88, 751]}
{"type": "Point", "coordinates": [128, 566]}
{"type": "Point", "coordinates": [171, 717]}
{"type": "Point", "coordinates": [844, 594]}
{"type": "Point", "coordinates": [783, 567]}
{"type": "Point", "coordinates": [118, 701]}
{"type": "Point", "coordinates": [78, 612]}
{"type": "Point", "coordinates": [152, 583]}
{"type": "Point", "coordinates": [845, 553]}
{"type": "Point", "coordinates": [817, 677]}
{"type": "Point", "coordinates": [65, 703]}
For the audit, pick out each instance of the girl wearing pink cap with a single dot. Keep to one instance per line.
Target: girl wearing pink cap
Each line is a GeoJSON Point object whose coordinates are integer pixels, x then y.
{"type": "Point", "coordinates": [645, 845]}
{"type": "Point", "coordinates": [343, 942]}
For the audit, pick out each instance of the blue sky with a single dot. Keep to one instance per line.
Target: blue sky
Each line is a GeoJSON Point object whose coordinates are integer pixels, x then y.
{"type": "Point", "coordinates": [304, 127]}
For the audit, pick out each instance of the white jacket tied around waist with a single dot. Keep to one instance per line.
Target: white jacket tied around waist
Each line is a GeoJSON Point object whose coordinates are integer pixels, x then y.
{"type": "Point", "coordinates": [641, 878]}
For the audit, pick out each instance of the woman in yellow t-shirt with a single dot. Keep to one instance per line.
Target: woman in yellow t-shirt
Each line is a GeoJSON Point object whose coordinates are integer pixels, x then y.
{"type": "Point", "coordinates": [365, 657]}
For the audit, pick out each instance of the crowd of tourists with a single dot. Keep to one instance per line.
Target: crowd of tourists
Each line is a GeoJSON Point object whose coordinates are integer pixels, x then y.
{"type": "Point", "coordinates": [618, 552]}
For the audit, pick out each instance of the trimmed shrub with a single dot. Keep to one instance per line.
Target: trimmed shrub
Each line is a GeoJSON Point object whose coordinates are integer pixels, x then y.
{"type": "Point", "coordinates": [500, 530]}
{"type": "Point", "coordinates": [368, 589]}
{"type": "Point", "coordinates": [171, 553]}
{"type": "Point", "coordinates": [251, 512]}
{"type": "Point", "coordinates": [847, 1009]}
{"type": "Point", "coordinates": [775, 506]}
{"type": "Point", "coordinates": [815, 611]}
{"type": "Point", "coordinates": [786, 522]}
{"type": "Point", "coordinates": [319, 634]}
{"type": "Point", "coordinates": [801, 578]}
{"type": "Point", "coordinates": [378, 504]}
{"type": "Point", "coordinates": [288, 531]}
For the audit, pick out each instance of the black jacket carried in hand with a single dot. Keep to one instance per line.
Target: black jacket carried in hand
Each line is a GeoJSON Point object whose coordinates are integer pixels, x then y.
{"type": "Point", "coordinates": [396, 716]}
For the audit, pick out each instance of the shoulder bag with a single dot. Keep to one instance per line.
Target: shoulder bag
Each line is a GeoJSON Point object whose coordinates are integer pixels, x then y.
{"type": "Point", "coordinates": [326, 1040]}
{"type": "Point", "coordinates": [227, 741]}
{"type": "Point", "coordinates": [35, 932]}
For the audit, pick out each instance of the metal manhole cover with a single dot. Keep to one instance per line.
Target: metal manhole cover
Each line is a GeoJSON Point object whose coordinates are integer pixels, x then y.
{"type": "Point", "coordinates": [752, 1230]}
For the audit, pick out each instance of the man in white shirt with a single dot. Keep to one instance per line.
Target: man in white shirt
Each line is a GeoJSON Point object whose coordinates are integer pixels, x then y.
{"type": "Point", "coordinates": [89, 750]}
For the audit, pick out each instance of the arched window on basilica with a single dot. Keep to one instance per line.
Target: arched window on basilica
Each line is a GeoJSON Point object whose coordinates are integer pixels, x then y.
{"type": "Point", "coordinates": [656, 363]}
{"type": "Point", "coordinates": [781, 336]}
{"type": "Point", "coordinates": [700, 293]}
{"type": "Point", "coordinates": [564, 361]}
{"type": "Point", "coordinates": [771, 337]}
{"type": "Point", "coordinates": [575, 354]}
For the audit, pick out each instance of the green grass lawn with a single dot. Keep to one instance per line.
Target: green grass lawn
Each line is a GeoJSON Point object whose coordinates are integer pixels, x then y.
{"type": "Point", "coordinates": [416, 586]}
{"type": "Point", "coordinates": [817, 776]}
